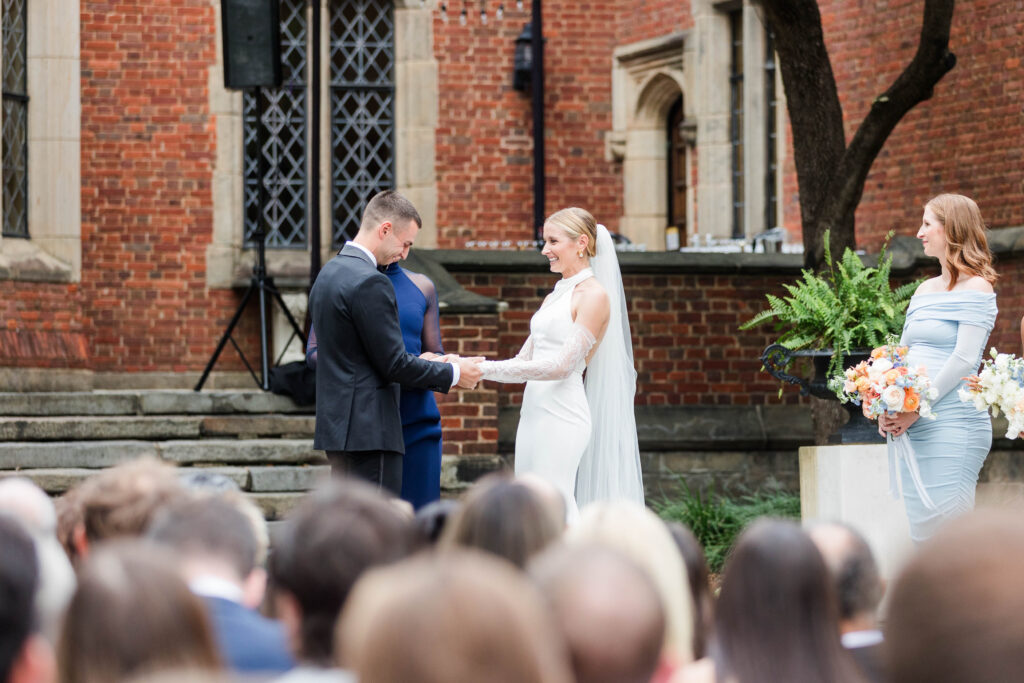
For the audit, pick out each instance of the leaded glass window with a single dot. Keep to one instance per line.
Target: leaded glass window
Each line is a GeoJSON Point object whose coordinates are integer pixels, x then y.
{"type": "Point", "coordinates": [279, 137]}
{"type": "Point", "coordinates": [15, 123]}
{"type": "Point", "coordinates": [362, 109]}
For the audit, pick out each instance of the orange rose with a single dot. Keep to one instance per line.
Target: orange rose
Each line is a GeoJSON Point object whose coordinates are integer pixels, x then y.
{"type": "Point", "coordinates": [891, 376]}
{"type": "Point", "coordinates": [878, 353]}
{"type": "Point", "coordinates": [862, 384]}
{"type": "Point", "coordinates": [911, 401]}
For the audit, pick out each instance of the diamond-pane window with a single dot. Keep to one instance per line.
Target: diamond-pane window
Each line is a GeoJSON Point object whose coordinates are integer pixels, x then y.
{"type": "Point", "coordinates": [362, 109]}
{"type": "Point", "coordinates": [15, 123]}
{"type": "Point", "coordinates": [277, 138]}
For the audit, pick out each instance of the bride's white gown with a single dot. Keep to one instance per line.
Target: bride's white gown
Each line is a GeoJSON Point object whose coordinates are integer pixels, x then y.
{"type": "Point", "coordinates": [554, 425]}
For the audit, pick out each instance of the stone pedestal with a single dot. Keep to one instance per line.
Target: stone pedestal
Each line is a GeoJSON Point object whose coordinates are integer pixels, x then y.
{"type": "Point", "coordinates": [850, 483]}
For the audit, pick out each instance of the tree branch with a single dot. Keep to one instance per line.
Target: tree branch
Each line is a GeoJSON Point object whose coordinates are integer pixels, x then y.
{"type": "Point", "coordinates": [914, 85]}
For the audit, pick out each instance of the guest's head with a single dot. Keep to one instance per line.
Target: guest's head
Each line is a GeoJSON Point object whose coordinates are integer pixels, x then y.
{"type": "Point", "coordinates": [503, 517]}
{"type": "Point", "coordinates": [952, 230]}
{"type": "Point", "coordinates": [570, 239]}
{"type": "Point", "coordinates": [776, 618]}
{"type": "Point", "coordinates": [456, 617]}
{"type": "Point", "coordinates": [132, 613]}
{"type": "Point", "coordinates": [607, 608]}
{"type": "Point", "coordinates": [432, 518]}
{"type": "Point", "coordinates": [699, 577]}
{"type": "Point", "coordinates": [70, 527]}
{"type": "Point", "coordinates": [25, 656]}
{"type": "Point", "coordinates": [211, 538]}
{"type": "Point", "coordinates": [955, 610]}
{"type": "Point", "coordinates": [389, 226]}
{"type": "Point", "coordinates": [336, 534]}
{"type": "Point", "coordinates": [858, 585]}
{"type": "Point", "coordinates": [25, 501]}
{"type": "Point", "coordinates": [639, 534]}
{"type": "Point", "coordinates": [120, 501]}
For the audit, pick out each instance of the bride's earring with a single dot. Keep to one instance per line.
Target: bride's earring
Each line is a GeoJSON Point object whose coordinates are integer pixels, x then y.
{"type": "Point", "coordinates": [579, 254]}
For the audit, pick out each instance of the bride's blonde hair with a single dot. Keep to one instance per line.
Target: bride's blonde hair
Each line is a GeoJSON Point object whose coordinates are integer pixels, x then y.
{"type": "Point", "coordinates": [575, 222]}
{"type": "Point", "coordinates": [966, 244]}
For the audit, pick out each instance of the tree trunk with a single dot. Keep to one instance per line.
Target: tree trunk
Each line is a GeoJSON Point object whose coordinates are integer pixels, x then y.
{"type": "Point", "coordinates": [830, 174]}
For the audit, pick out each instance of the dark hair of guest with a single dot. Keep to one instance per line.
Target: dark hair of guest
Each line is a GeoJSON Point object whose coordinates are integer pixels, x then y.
{"type": "Point", "coordinates": [776, 618]}
{"type": "Point", "coordinates": [505, 518]}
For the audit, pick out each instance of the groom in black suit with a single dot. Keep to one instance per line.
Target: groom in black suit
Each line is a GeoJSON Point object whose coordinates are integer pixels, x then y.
{"type": "Point", "coordinates": [362, 360]}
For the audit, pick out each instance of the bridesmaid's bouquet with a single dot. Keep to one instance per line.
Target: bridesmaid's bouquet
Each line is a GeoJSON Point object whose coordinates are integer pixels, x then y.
{"type": "Point", "coordinates": [885, 383]}
{"type": "Point", "coordinates": [999, 387]}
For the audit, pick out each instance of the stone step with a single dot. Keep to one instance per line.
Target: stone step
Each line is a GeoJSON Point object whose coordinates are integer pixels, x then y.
{"type": "Point", "coordinates": [253, 426]}
{"type": "Point", "coordinates": [259, 479]}
{"type": "Point", "coordinates": [96, 454]}
{"type": "Point", "coordinates": [92, 428]}
{"type": "Point", "coordinates": [146, 402]}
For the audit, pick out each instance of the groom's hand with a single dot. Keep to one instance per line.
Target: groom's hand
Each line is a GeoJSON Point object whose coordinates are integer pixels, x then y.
{"type": "Point", "coordinates": [470, 372]}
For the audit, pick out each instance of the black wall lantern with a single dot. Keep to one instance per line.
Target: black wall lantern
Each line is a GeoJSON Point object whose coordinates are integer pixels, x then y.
{"type": "Point", "coordinates": [523, 60]}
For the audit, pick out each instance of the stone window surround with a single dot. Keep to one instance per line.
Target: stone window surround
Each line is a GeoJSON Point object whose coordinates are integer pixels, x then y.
{"type": "Point", "coordinates": [416, 116]}
{"type": "Point", "coordinates": [647, 77]}
{"type": "Point", "coordinates": [53, 250]}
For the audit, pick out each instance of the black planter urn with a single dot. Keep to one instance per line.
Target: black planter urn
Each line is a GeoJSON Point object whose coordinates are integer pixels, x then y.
{"type": "Point", "coordinates": [857, 429]}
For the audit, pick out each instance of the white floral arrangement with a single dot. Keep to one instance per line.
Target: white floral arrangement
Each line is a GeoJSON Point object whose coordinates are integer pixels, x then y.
{"type": "Point", "coordinates": [999, 387]}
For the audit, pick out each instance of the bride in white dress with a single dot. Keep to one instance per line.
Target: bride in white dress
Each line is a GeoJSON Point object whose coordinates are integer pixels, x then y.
{"type": "Point", "coordinates": [580, 436]}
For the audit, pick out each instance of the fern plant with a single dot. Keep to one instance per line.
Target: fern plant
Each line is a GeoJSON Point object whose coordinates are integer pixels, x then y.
{"type": "Point", "coordinates": [846, 306]}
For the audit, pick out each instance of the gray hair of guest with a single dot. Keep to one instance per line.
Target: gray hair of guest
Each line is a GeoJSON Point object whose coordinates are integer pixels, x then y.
{"type": "Point", "coordinates": [22, 499]}
{"type": "Point", "coordinates": [207, 527]}
{"type": "Point", "coordinates": [853, 569]}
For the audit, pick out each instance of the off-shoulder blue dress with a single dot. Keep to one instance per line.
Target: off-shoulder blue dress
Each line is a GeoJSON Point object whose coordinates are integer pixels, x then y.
{"type": "Point", "coordinates": [418, 315]}
{"type": "Point", "coordinates": [950, 449]}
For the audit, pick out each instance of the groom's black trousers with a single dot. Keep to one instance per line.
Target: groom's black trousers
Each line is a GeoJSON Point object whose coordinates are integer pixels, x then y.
{"type": "Point", "coordinates": [381, 468]}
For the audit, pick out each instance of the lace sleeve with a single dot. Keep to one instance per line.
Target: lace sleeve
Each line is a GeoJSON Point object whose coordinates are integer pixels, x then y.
{"type": "Point", "coordinates": [519, 369]}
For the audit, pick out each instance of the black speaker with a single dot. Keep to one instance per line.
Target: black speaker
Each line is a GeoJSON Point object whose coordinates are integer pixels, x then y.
{"type": "Point", "coordinates": [251, 33]}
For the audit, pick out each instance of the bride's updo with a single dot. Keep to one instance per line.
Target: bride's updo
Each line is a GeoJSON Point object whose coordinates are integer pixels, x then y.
{"type": "Point", "coordinates": [575, 222]}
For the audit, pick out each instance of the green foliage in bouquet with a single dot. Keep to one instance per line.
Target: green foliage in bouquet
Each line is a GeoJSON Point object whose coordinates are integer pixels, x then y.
{"type": "Point", "coordinates": [845, 306]}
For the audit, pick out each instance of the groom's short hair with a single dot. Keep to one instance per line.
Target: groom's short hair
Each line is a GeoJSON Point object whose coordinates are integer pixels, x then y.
{"type": "Point", "coordinates": [389, 205]}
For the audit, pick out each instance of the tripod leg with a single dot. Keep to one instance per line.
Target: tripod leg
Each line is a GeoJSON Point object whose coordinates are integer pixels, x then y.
{"type": "Point", "coordinates": [265, 357]}
{"type": "Point", "coordinates": [227, 333]}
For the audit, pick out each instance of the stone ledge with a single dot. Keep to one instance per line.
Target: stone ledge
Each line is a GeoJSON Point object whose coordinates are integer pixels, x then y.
{"type": "Point", "coordinates": [681, 428]}
{"type": "Point", "coordinates": [20, 259]}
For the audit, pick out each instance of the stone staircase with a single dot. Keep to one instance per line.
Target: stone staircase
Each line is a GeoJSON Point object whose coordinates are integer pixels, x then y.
{"type": "Point", "coordinates": [262, 441]}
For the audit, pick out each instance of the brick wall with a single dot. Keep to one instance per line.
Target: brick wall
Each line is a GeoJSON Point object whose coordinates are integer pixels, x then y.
{"type": "Point", "coordinates": [687, 347]}
{"type": "Point", "coordinates": [148, 147]}
{"type": "Point", "coordinates": [484, 137]}
{"type": "Point", "coordinates": [41, 325]}
{"type": "Point", "coordinates": [966, 139]}
{"type": "Point", "coordinates": [642, 19]}
{"type": "Point", "coordinates": [470, 418]}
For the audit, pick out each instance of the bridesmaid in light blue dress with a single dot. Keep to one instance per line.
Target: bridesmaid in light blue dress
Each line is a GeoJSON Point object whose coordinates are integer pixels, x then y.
{"type": "Point", "coordinates": [948, 323]}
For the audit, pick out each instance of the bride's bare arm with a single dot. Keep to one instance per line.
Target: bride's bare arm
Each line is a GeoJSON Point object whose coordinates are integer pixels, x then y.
{"type": "Point", "coordinates": [591, 310]}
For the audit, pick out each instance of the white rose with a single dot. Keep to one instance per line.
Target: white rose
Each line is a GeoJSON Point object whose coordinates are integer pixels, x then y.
{"type": "Point", "coordinates": [881, 365]}
{"type": "Point", "coordinates": [893, 397]}
{"type": "Point", "coordinates": [1002, 361]}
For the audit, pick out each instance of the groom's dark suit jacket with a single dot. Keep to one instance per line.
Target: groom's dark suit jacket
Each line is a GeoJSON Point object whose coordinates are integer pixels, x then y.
{"type": "Point", "coordinates": [361, 358]}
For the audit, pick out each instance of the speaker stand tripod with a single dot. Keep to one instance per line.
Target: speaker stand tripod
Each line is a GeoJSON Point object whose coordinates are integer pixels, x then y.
{"type": "Point", "coordinates": [260, 284]}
